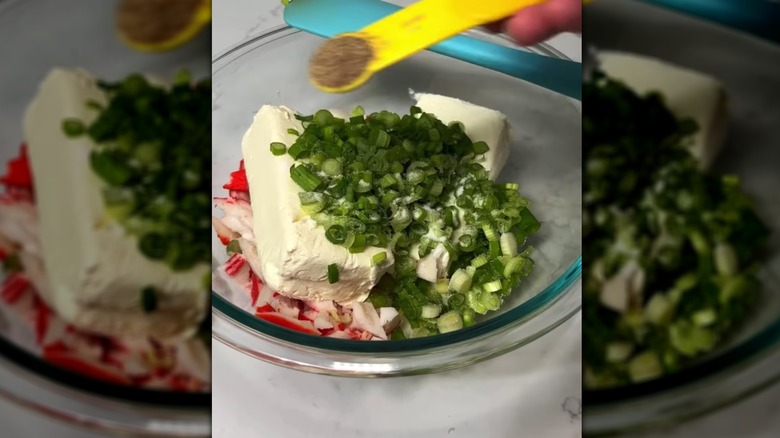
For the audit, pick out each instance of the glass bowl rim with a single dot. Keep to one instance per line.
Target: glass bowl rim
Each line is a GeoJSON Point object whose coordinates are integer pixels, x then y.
{"type": "Point", "coordinates": [507, 320]}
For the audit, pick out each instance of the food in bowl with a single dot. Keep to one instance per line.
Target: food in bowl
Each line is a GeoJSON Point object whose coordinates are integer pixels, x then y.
{"type": "Point", "coordinates": [100, 228]}
{"type": "Point", "coordinates": [671, 249]}
{"type": "Point", "coordinates": [383, 226]}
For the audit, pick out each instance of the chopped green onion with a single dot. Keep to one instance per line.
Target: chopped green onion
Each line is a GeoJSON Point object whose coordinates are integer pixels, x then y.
{"type": "Point", "coordinates": [508, 244]}
{"type": "Point", "coordinates": [514, 265]}
{"type": "Point", "coordinates": [618, 352]}
{"type": "Point", "coordinates": [278, 148]}
{"type": "Point", "coordinates": [293, 131]}
{"type": "Point", "coordinates": [418, 228]}
{"type": "Point", "coordinates": [725, 259]}
{"type": "Point", "coordinates": [468, 317]}
{"type": "Point", "coordinates": [460, 281]}
{"type": "Point", "coordinates": [449, 322]}
{"type": "Point", "coordinates": [149, 299]}
{"type": "Point", "coordinates": [431, 311]}
{"type": "Point", "coordinates": [410, 183]}
{"type": "Point", "coordinates": [387, 181]}
{"type": "Point", "coordinates": [490, 300]}
{"type": "Point", "coordinates": [378, 258]}
{"type": "Point", "coordinates": [323, 118]}
{"type": "Point", "coordinates": [644, 367]}
{"type": "Point", "coordinates": [333, 273]}
{"type": "Point", "coordinates": [401, 219]}
{"type": "Point", "coordinates": [480, 148]}
{"type": "Point", "coordinates": [359, 244]}
{"type": "Point", "coordinates": [331, 167]}
{"type": "Point", "coordinates": [305, 178]}
{"type": "Point", "coordinates": [73, 128]}
{"type": "Point", "coordinates": [493, 286]}
{"type": "Point", "coordinates": [311, 202]}
{"type": "Point", "coordinates": [296, 150]}
{"type": "Point", "coordinates": [480, 260]}
{"type": "Point", "coordinates": [336, 234]}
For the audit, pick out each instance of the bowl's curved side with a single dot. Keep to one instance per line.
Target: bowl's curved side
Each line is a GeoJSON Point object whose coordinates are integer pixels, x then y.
{"type": "Point", "coordinates": [549, 133]}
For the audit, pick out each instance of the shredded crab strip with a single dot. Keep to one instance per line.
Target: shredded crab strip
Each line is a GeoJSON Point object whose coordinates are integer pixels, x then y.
{"type": "Point", "coordinates": [319, 318]}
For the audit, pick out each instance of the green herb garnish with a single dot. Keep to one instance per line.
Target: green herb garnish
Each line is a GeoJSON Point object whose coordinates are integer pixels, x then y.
{"type": "Point", "coordinates": [153, 153]}
{"type": "Point", "coordinates": [686, 241]}
{"type": "Point", "coordinates": [149, 299]}
{"type": "Point", "coordinates": [410, 183]}
{"type": "Point", "coordinates": [333, 273]}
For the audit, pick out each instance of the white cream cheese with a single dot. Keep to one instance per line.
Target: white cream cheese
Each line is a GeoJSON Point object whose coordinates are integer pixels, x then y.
{"type": "Point", "coordinates": [482, 124]}
{"type": "Point", "coordinates": [687, 93]}
{"type": "Point", "coordinates": [292, 252]}
{"type": "Point", "coordinates": [94, 270]}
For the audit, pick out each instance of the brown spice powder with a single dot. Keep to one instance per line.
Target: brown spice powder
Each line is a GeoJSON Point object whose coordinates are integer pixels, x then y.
{"type": "Point", "coordinates": [339, 61]}
{"type": "Point", "coordinates": [154, 21]}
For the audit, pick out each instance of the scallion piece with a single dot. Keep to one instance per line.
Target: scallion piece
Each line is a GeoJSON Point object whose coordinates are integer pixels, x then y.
{"type": "Point", "coordinates": [378, 258]}
{"type": "Point", "coordinates": [449, 322]}
{"type": "Point", "coordinates": [493, 286]}
{"type": "Point", "coordinates": [358, 244]}
{"type": "Point", "coordinates": [73, 128]}
{"type": "Point", "coordinates": [387, 181]}
{"type": "Point", "coordinates": [480, 148]}
{"type": "Point", "coordinates": [311, 202]}
{"type": "Point", "coordinates": [296, 150]}
{"type": "Point", "coordinates": [490, 301]}
{"type": "Point", "coordinates": [336, 234]}
{"type": "Point", "coordinates": [333, 273]}
{"type": "Point", "coordinates": [480, 261]}
{"type": "Point", "coordinates": [305, 178]}
{"type": "Point", "coordinates": [508, 244]}
{"type": "Point", "coordinates": [331, 167]}
{"type": "Point", "coordinates": [149, 299]}
{"type": "Point", "coordinates": [514, 265]}
{"type": "Point", "coordinates": [460, 281]}
{"type": "Point", "coordinates": [430, 311]}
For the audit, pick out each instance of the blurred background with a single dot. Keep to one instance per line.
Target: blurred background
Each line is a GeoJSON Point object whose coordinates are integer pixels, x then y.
{"type": "Point", "coordinates": [69, 392]}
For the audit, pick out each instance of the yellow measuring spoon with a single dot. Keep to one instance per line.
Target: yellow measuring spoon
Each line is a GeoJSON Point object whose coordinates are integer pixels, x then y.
{"type": "Point", "coordinates": [347, 61]}
{"type": "Point", "coordinates": [161, 25]}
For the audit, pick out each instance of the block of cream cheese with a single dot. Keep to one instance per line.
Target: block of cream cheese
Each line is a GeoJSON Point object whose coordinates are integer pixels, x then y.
{"type": "Point", "coordinates": [687, 93]}
{"type": "Point", "coordinates": [482, 124]}
{"type": "Point", "coordinates": [292, 252]}
{"type": "Point", "coordinates": [94, 271]}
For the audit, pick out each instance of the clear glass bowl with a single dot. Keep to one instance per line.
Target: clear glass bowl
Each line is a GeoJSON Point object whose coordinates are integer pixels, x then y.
{"type": "Point", "coordinates": [545, 161]}
{"type": "Point", "coordinates": [750, 70]}
{"type": "Point", "coordinates": [82, 36]}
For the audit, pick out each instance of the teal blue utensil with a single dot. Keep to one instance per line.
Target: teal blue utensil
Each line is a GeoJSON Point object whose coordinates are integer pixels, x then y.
{"type": "Point", "coordinates": [328, 18]}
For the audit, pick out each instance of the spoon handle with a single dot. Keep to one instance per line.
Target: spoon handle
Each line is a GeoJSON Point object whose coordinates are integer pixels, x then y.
{"type": "Point", "coordinates": [328, 18]}
{"type": "Point", "coordinates": [427, 22]}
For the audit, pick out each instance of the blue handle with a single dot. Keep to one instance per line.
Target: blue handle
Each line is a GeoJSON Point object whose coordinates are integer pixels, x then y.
{"type": "Point", "coordinates": [327, 18]}
{"type": "Point", "coordinates": [758, 17]}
